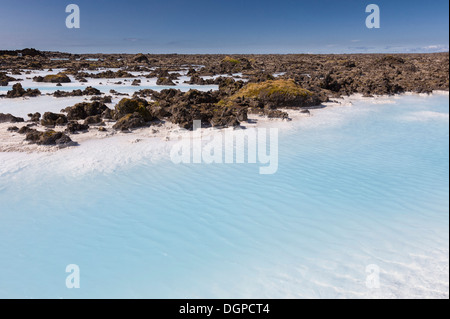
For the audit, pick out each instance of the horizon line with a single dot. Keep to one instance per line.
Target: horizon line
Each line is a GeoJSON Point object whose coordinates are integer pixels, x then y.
{"type": "Point", "coordinates": [235, 53]}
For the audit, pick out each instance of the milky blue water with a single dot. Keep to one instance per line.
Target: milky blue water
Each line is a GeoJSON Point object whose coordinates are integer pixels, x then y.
{"type": "Point", "coordinates": [356, 186]}
{"type": "Point", "coordinates": [128, 89]}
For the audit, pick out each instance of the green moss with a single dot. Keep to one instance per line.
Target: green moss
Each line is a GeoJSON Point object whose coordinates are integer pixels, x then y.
{"type": "Point", "coordinates": [270, 88]}
{"type": "Point", "coordinates": [224, 103]}
{"type": "Point", "coordinates": [126, 117]}
{"type": "Point", "coordinates": [60, 77]}
{"type": "Point", "coordinates": [49, 134]}
{"type": "Point", "coordinates": [229, 59]}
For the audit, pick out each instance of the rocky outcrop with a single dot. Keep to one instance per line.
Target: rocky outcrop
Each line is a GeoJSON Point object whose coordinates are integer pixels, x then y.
{"type": "Point", "coordinates": [51, 119]}
{"type": "Point", "coordinates": [59, 93]}
{"type": "Point", "coordinates": [130, 121]}
{"type": "Point", "coordinates": [275, 94]}
{"type": "Point", "coordinates": [35, 117]}
{"type": "Point", "coordinates": [164, 73]}
{"type": "Point", "coordinates": [18, 91]}
{"type": "Point", "coordinates": [53, 78]}
{"type": "Point", "coordinates": [229, 86]}
{"type": "Point", "coordinates": [74, 127]}
{"type": "Point", "coordinates": [117, 93]}
{"type": "Point", "coordinates": [261, 77]}
{"type": "Point", "coordinates": [231, 65]}
{"type": "Point", "coordinates": [5, 79]}
{"type": "Point", "coordinates": [89, 91]}
{"type": "Point", "coordinates": [83, 110]}
{"type": "Point", "coordinates": [197, 80]}
{"type": "Point", "coordinates": [227, 65]}
{"type": "Point", "coordinates": [165, 81]}
{"type": "Point", "coordinates": [269, 82]}
{"type": "Point", "coordinates": [183, 108]}
{"type": "Point", "coordinates": [25, 130]}
{"type": "Point", "coordinates": [48, 138]}
{"type": "Point", "coordinates": [130, 106]}
{"type": "Point", "coordinates": [105, 99]}
{"type": "Point", "coordinates": [140, 58]}
{"type": "Point", "coordinates": [106, 75]}
{"type": "Point", "coordinates": [277, 114]}
{"type": "Point", "coordinates": [13, 129]}
{"type": "Point", "coordinates": [143, 93]}
{"type": "Point", "coordinates": [8, 118]}
{"type": "Point", "coordinates": [96, 119]}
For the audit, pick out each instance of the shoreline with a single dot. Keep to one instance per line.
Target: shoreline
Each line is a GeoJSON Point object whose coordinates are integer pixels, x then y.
{"type": "Point", "coordinates": [13, 142]}
{"type": "Point", "coordinates": [60, 90]}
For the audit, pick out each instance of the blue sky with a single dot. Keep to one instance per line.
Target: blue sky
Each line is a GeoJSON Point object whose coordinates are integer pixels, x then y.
{"type": "Point", "coordinates": [225, 26]}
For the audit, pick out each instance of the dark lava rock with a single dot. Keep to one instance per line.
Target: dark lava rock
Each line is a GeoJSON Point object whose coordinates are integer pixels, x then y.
{"type": "Point", "coordinates": [104, 99]}
{"type": "Point", "coordinates": [307, 112]}
{"type": "Point", "coordinates": [91, 91]}
{"type": "Point", "coordinates": [5, 79]}
{"type": "Point", "coordinates": [144, 93]}
{"type": "Point", "coordinates": [83, 110]}
{"type": "Point", "coordinates": [277, 114]}
{"type": "Point", "coordinates": [74, 127]}
{"type": "Point", "coordinates": [184, 108]}
{"type": "Point", "coordinates": [96, 119]}
{"type": "Point", "coordinates": [140, 58]}
{"type": "Point", "coordinates": [18, 91]}
{"type": "Point", "coordinates": [197, 80]}
{"type": "Point", "coordinates": [59, 93]}
{"type": "Point", "coordinates": [117, 93]}
{"type": "Point", "coordinates": [36, 117]}
{"type": "Point", "coordinates": [25, 129]}
{"type": "Point", "coordinates": [165, 81]}
{"type": "Point", "coordinates": [48, 138]}
{"type": "Point", "coordinates": [88, 91]}
{"type": "Point", "coordinates": [53, 78]}
{"type": "Point", "coordinates": [261, 77]}
{"type": "Point", "coordinates": [8, 118]}
{"type": "Point", "coordinates": [130, 106]}
{"type": "Point", "coordinates": [51, 119]}
{"type": "Point", "coordinates": [108, 114]}
{"type": "Point", "coordinates": [229, 86]}
{"type": "Point", "coordinates": [231, 65]}
{"type": "Point", "coordinates": [13, 129]}
{"type": "Point", "coordinates": [106, 75]}
{"type": "Point", "coordinates": [130, 121]}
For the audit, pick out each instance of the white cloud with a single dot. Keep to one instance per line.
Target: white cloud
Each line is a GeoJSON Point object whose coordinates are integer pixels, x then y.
{"type": "Point", "coordinates": [436, 48]}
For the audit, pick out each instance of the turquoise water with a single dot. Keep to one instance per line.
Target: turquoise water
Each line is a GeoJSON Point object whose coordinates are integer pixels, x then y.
{"type": "Point", "coordinates": [356, 186]}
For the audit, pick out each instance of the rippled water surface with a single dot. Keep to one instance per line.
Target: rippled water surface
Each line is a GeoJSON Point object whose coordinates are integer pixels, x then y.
{"type": "Point", "coordinates": [357, 185]}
